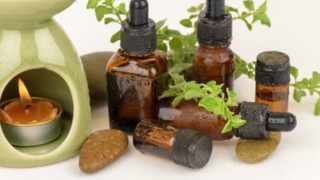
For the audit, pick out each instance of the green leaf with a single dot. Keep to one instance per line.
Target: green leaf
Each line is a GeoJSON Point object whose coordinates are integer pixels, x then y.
{"type": "Point", "coordinates": [263, 7]}
{"type": "Point", "coordinates": [160, 24]}
{"type": "Point", "coordinates": [256, 18]}
{"type": "Point", "coordinates": [264, 19]}
{"type": "Point", "coordinates": [249, 4]}
{"type": "Point", "coordinates": [231, 9]}
{"type": "Point", "coordinates": [122, 9]}
{"type": "Point", "coordinates": [209, 103]}
{"type": "Point", "coordinates": [227, 127]}
{"type": "Point", "coordinates": [92, 4]}
{"type": "Point", "coordinates": [186, 23]}
{"type": "Point", "coordinates": [232, 95]}
{"type": "Point", "coordinates": [163, 47]}
{"type": "Point", "coordinates": [175, 43]}
{"type": "Point", "coordinates": [249, 26]}
{"type": "Point", "coordinates": [172, 33]}
{"type": "Point", "coordinates": [298, 94]}
{"type": "Point", "coordinates": [201, 6]}
{"type": "Point", "coordinates": [168, 93]}
{"type": "Point", "coordinates": [317, 108]}
{"type": "Point", "coordinates": [115, 37]}
{"type": "Point", "coordinates": [109, 20]}
{"type": "Point", "coordinates": [101, 11]}
{"type": "Point", "coordinates": [302, 84]}
{"type": "Point", "coordinates": [192, 16]}
{"type": "Point", "coordinates": [237, 121]}
{"type": "Point", "coordinates": [191, 94]}
{"type": "Point", "coordinates": [108, 2]}
{"type": "Point", "coordinates": [193, 9]}
{"type": "Point", "coordinates": [294, 72]}
{"type": "Point", "coordinates": [315, 78]}
{"type": "Point", "coordinates": [179, 67]}
{"type": "Point", "coordinates": [177, 100]}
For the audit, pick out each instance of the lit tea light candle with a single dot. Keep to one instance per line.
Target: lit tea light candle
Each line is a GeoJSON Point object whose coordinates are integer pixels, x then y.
{"type": "Point", "coordinates": [25, 116]}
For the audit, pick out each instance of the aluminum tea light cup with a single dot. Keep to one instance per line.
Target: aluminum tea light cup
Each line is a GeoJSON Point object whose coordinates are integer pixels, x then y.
{"type": "Point", "coordinates": [33, 134]}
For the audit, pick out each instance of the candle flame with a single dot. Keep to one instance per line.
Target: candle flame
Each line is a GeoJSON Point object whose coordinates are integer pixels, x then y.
{"type": "Point", "coordinates": [23, 92]}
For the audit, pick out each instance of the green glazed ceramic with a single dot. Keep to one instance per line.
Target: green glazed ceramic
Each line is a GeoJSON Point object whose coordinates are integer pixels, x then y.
{"type": "Point", "coordinates": [33, 47]}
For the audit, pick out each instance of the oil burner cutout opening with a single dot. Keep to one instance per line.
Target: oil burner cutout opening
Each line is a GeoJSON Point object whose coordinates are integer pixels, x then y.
{"type": "Point", "coordinates": [43, 83]}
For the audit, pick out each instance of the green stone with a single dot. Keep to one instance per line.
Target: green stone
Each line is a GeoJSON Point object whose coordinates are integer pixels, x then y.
{"type": "Point", "coordinates": [254, 151]}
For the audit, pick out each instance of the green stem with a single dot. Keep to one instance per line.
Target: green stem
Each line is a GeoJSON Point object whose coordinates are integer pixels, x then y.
{"type": "Point", "coordinates": [117, 14]}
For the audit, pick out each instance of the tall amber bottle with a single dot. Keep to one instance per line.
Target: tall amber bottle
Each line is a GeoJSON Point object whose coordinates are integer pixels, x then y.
{"type": "Point", "coordinates": [135, 73]}
{"type": "Point", "coordinates": [272, 80]}
{"type": "Point", "coordinates": [214, 60]}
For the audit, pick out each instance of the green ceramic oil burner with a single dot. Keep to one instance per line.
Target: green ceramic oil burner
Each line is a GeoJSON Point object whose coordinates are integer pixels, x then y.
{"type": "Point", "coordinates": [33, 47]}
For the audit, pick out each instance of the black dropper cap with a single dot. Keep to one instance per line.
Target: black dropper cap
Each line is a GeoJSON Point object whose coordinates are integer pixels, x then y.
{"type": "Point", "coordinates": [260, 121]}
{"type": "Point", "coordinates": [191, 148]}
{"type": "Point", "coordinates": [215, 25]}
{"type": "Point", "coordinates": [273, 68]}
{"type": "Point", "coordinates": [281, 121]}
{"type": "Point", "coordinates": [138, 34]}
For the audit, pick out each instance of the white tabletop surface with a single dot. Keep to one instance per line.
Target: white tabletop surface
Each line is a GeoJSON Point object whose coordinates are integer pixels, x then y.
{"type": "Point", "coordinates": [295, 30]}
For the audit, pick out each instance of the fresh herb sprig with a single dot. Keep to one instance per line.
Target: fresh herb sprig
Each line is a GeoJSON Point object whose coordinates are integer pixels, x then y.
{"type": "Point", "coordinates": [210, 96]}
{"type": "Point", "coordinates": [301, 87]}
{"type": "Point", "coordinates": [109, 12]}
{"type": "Point", "coordinates": [252, 14]}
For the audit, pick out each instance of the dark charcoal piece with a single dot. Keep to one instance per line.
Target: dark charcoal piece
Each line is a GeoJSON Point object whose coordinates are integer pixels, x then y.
{"type": "Point", "coordinates": [192, 149]}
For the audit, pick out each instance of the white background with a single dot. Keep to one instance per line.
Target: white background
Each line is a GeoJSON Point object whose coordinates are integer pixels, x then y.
{"type": "Point", "coordinates": [295, 30]}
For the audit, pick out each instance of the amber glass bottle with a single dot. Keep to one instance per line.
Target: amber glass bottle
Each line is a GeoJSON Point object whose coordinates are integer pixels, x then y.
{"type": "Point", "coordinates": [136, 73]}
{"type": "Point", "coordinates": [214, 60]}
{"type": "Point", "coordinates": [258, 116]}
{"type": "Point", "coordinates": [184, 146]}
{"type": "Point", "coordinates": [272, 80]}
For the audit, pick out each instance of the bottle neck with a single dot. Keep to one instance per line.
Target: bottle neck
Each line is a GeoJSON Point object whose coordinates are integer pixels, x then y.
{"type": "Point", "coordinates": [204, 46]}
{"type": "Point", "coordinates": [122, 52]}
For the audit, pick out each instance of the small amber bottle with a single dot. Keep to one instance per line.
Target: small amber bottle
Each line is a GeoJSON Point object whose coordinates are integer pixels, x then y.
{"type": "Point", "coordinates": [184, 146]}
{"type": "Point", "coordinates": [214, 60]}
{"type": "Point", "coordinates": [258, 116]}
{"type": "Point", "coordinates": [272, 80]}
{"type": "Point", "coordinates": [136, 73]}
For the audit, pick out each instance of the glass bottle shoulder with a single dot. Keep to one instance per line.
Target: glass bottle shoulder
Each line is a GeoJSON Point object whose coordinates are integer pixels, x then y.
{"type": "Point", "coordinates": [150, 65]}
{"type": "Point", "coordinates": [208, 54]}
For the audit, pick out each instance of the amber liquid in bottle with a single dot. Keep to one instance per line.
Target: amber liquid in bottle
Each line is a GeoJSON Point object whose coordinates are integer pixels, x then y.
{"type": "Point", "coordinates": [272, 80]}
{"type": "Point", "coordinates": [214, 63]}
{"type": "Point", "coordinates": [157, 140]}
{"type": "Point", "coordinates": [276, 97]}
{"type": "Point", "coordinates": [189, 115]}
{"type": "Point", "coordinates": [134, 83]}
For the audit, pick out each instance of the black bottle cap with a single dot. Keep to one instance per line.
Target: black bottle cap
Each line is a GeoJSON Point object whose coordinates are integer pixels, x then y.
{"type": "Point", "coordinates": [215, 25]}
{"type": "Point", "coordinates": [273, 69]}
{"type": "Point", "coordinates": [192, 149]}
{"type": "Point", "coordinates": [138, 33]}
{"type": "Point", "coordinates": [281, 121]}
{"type": "Point", "coordinates": [256, 127]}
